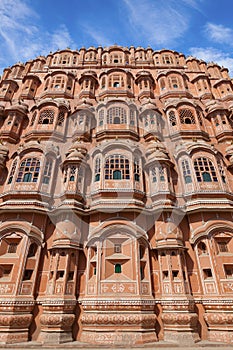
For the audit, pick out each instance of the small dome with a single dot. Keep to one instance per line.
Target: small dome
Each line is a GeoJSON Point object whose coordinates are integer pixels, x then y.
{"type": "Point", "coordinates": [157, 152]}
{"type": "Point", "coordinates": [168, 234]}
{"type": "Point", "coordinates": [77, 152]}
{"type": "Point", "coordinates": [66, 235]}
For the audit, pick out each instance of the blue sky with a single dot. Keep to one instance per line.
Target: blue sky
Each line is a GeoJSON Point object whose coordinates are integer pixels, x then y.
{"type": "Point", "coordinates": [201, 28]}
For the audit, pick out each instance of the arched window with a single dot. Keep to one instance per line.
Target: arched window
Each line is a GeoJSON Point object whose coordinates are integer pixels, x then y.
{"type": "Point", "coordinates": [131, 117]}
{"type": "Point", "coordinates": [103, 83]}
{"type": "Point", "coordinates": [117, 175]}
{"type": "Point", "coordinates": [186, 171]}
{"type": "Point", "coordinates": [167, 59]}
{"type": "Point", "coordinates": [117, 168]}
{"type": "Point", "coordinates": [101, 117]}
{"type": "Point", "coordinates": [57, 83]}
{"type": "Point", "coordinates": [32, 250]}
{"type": "Point", "coordinates": [13, 167]}
{"type": "Point", "coordinates": [97, 169]}
{"type": "Point", "coordinates": [29, 170]}
{"type": "Point", "coordinates": [116, 115]}
{"type": "Point", "coordinates": [136, 170]}
{"type": "Point", "coordinates": [152, 119]}
{"type": "Point", "coordinates": [73, 173]}
{"type": "Point", "coordinates": [174, 83]}
{"type": "Point", "coordinates": [186, 116]}
{"type": "Point", "coordinates": [205, 170]}
{"type": "Point", "coordinates": [46, 116]}
{"type": "Point", "coordinates": [33, 118]}
{"type": "Point", "coordinates": [222, 171]}
{"type": "Point", "coordinates": [47, 171]}
{"type": "Point", "coordinates": [201, 248]}
{"type": "Point", "coordinates": [162, 84]}
{"type": "Point", "coordinates": [118, 268]}
{"type": "Point", "coordinates": [172, 118]}
{"type": "Point", "coordinates": [160, 174]}
{"type": "Point", "coordinates": [61, 117]}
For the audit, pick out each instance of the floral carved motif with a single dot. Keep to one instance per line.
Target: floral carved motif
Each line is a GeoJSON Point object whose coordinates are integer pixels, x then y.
{"type": "Point", "coordinates": [179, 319]}
{"type": "Point", "coordinates": [219, 318]}
{"type": "Point", "coordinates": [120, 319]}
{"type": "Point", "coordinates": [15, 320]}
{"type": "Point", "coordinates": [53, 320]}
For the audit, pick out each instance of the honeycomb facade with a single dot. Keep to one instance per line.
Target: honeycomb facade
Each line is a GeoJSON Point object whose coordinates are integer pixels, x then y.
{"type": "Point", "coordinates": [116, 198]}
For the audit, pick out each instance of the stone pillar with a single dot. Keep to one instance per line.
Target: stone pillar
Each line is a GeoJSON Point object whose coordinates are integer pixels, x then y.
{"type": "Point", "coordinates": [219, 318]}
{"type": "Point", "coordinates": [118, 322]}
{"type": "Point", "coordinates": [15, 319]}
{"type": "Point", "coordinates": [56, 321]}
{"type": "Point", "coordinates": [180, 321]}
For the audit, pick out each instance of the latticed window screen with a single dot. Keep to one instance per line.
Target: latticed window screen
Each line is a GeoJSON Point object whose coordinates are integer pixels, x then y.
{"type": "Point", "coordinates": [29, 170]}
{"type": "Point", "coordinates": [136, 170]}
{"type": "Point", "coordinates": [116, 115]}
{"type": "Point", "coordinates": [159, 174]}
{"type": "Point", "coordinates": [205, 170]}
{"type": "Point", "coordinates": [61, 118]}
{"type": "Point", "coordinates": [199, 116]}
{"type": "Point", "coordinates": [167, 59]}
{"type": "Point", "coordinates": [97, 169]}
{"type": "Point", "coordinates": [80, 175]}
{"type": "Point", "coordinates": [101, 117]}
{"type": "Point", "coordinates": [222, 172]}
{"type": "Point", "coordinates": [172, 118]}
{"type": "Point", "coordinates": [33, 118]}
{"type": "Point", "coordinates": [117, 168]}
{"type": "Point", "coordinates": [223, 118]}
{"type": "Point", "coordinates": [57, 83]}
{"type": "Point", "coordinates": [73, 173]}
{"type": "Point", "coordinates": [12, 172]}
{"type": "Point", "coordinates": [222, 246]}
{"type": "Point", "coordinates": [46, 117]}
{"type": "Point", "coordinates": [186, 116]}
{"type": "Point", "coordinates": [12, 248]}
{"type": "Point", "coordinates": [70, 173]}
{"type": "Point", "coordinates": [47, 171]}
{"type": "Point", "coordinates": [174, 83]}
{"type": "Point", "coordinates": [162, 84]}
{"type": "Point", "coordinates": [131, 117]}
{"type": "Point", "coordinates": [186, 171]}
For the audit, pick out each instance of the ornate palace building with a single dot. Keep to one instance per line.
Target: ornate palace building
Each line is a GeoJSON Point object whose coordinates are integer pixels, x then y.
{"type": "Point", "coordinates": [116, 203]}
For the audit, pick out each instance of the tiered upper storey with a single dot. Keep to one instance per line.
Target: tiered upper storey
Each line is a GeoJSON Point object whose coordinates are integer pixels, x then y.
{"type": "Point", "coordinates": [152, 125]}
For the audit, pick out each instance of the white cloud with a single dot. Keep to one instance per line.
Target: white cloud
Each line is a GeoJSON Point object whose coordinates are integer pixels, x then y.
{"type": "Point", "coordinates": [22, 37]}
{"type": "Point", "coordinates": [161, 23]}
{"type": "Point", "coordinates": [219, 34]}
{"type": "Point", "coordinates": [211, 54]}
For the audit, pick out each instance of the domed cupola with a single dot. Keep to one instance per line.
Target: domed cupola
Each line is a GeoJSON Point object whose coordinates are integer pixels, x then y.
{"type": "Point", "coordinates": [66, 236]}
{"type": "Point", "coordinates": [168, 235]}
{"type": "Point", "coordinates": [156, 152]}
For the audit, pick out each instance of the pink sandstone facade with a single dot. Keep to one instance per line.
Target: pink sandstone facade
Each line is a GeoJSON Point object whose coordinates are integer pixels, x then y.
{"type": "Point", "coordinates": [116, 201]}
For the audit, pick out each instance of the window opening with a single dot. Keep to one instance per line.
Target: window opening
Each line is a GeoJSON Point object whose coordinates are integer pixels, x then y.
{"type": "Point", "coordinates": [118, 268]}
{"type": "Point", "coordinates": [186, 171]}
{"type": "Point", "coordinates": [205, 170]}
{"type": "Point", "coordinates": [117, 168]}
{"type": "Point", "coordinates": [47, 171]}
{"type": "Point", "coordinates": [29, 170]}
